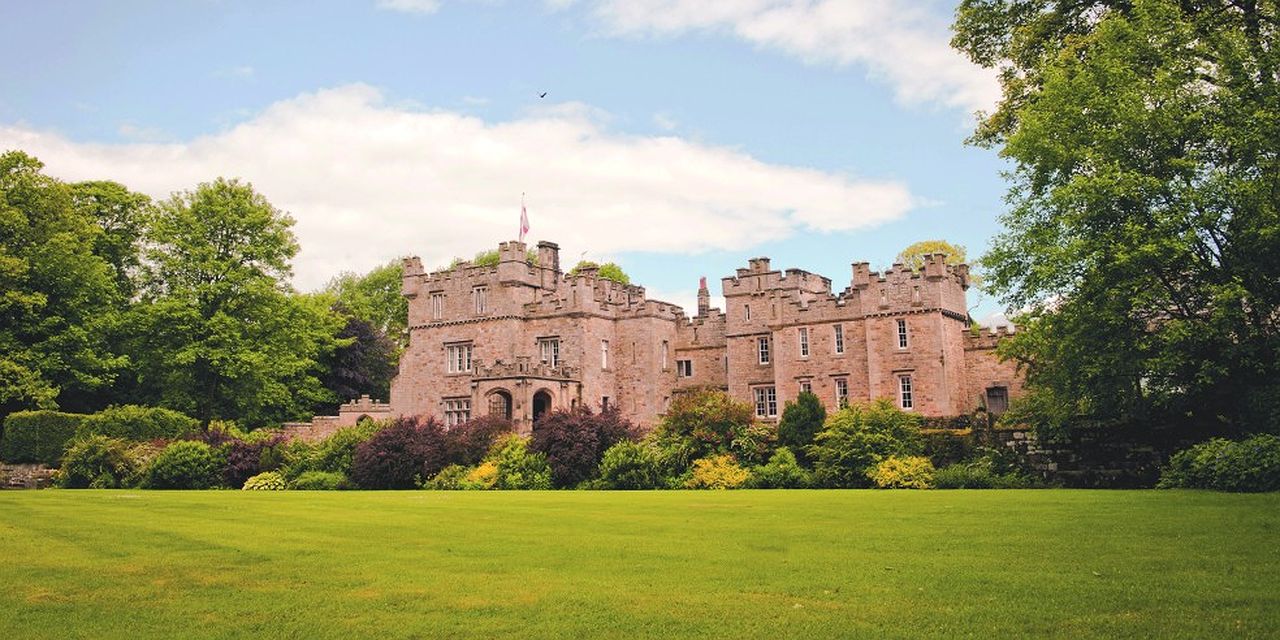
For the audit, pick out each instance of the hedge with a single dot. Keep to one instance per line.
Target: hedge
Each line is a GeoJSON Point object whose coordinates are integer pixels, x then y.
{"type": "Point", "coordinates": [136, 423]}
{"type": "Point", "coordinates": [38, 436]}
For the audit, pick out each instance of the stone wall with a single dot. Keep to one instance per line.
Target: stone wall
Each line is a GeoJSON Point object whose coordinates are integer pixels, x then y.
{"type": "Point", "coordinates": [25, 476]}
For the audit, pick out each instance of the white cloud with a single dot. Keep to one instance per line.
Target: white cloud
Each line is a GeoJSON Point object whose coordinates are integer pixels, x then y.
{"type": "Point", "coordinates": [368, 181]}
{"type": "Point", "coordinates": [897, 41]}
{"type": "Point", "coordinates": [410, 6]}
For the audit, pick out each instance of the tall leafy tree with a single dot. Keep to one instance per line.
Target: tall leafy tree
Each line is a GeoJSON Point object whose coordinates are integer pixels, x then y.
{"type": "Point", "coordinates": [220, 334]}
{"type": "Point", "coordinates": [364, 364]}
{"type": "Point", "coordinates": [375, 297]}
{"type": "Point", "coordinates": [122, 215]}
{"type": "Point", "coordinates": [1142, 237]}
{"type": "Point", "coordinates": [913, 256]}
{"type": "Point", "coordinates": [55, 294]}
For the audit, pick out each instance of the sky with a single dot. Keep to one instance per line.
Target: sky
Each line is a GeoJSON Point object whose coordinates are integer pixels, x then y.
{"type": "Point", "coordinates": [676, 137]}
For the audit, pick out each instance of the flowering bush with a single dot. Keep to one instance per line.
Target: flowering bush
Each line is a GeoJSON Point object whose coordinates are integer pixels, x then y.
{"type": "Point", "coordinates": [575, 440]}
{"type": "Point", "coordinates": [267, 481]}
{"type": "Point", "coordinates": [186, 464]}
{"type": "Point", "coordinates": [717, 472]}
{"type": "Point", "coordinates": [96, 462]}
{"type": "Point", "coordinates": [631, 465]}
{"type": "Point", "coordinates": [910, 472]}
{"type": "Point", "coordinates": [782, 471]}
{"type": "Point", "coordinates": [399, 455]}
{"type": "Point", "coordinates": [481, 476]}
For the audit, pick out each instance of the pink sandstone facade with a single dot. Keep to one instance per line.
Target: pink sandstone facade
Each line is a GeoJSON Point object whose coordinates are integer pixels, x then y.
{"type": "Point", "coordinates": [520, 339]}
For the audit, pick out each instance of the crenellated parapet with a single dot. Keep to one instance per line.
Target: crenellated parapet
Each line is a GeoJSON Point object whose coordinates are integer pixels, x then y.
{"type": "Point", "coordinates": [986, 337]}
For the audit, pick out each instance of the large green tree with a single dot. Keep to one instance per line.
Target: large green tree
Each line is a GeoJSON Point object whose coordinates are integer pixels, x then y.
{"type": "Point", "coordinates": [220, 334]}
{"type": "Point", "coordinates": [56, 294]}
{"type": "Point", "coordinates": [1142, 237]}
{"type": "Point", "coordinates": [376, 297]}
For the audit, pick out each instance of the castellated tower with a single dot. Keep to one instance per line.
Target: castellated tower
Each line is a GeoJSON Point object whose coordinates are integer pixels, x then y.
{"type": "Point", "coordinates": [522, 338]}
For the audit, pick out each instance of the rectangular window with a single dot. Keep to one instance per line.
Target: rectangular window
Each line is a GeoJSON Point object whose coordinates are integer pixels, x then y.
{"type": "Point", "coordinates": [684, 368]}
{"type": "Point", "coordinates": [766, 402]}
{"type": "Point", "coordinates": [804, 342]}
{"type": "Point", "coordinates": [481, 295]}
{"type": "Point", "coordinates": [806, 386]}
{"type": "Point", "coordinates": [437, 306]}
{"type": "Point", "coordinates": [664, 355]}
{"type": "Point", "coordinates": [904, 391]}
{"type": "Point", "coordinates": [604, 403]}
{"type": "Point", "coordinates": [902, 334]}
{"type": "Point", "coordinates": [842, 392]}
{"type": "Point", "coordinates": [747, 311]}
{"type": "Point", "coordinates": [839, 338]}
{"type": "Point", "coordinates": [762, 344]}
{"type": "Point", "coordinates": [458, 358]}
{"type": "Point", "coordinates": [456, 411]}
{"type": "Point", "coordinates": [604, 354]}
{"type": "Point", "coordinates": [549, 350]}
{"type": "Point", "coordinates": [997, 400]}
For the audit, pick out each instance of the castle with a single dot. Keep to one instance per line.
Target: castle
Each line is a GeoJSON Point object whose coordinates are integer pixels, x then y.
{"type": "Point", "coordinates": [523, 338]}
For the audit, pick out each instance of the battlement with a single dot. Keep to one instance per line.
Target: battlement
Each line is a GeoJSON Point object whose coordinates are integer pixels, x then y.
{"type": "Point", "coordinates": [935, 269]}
{"type": "Point", "coordinates": [986, 337]}
{"type": "Point", "coordinates": [758, 277]}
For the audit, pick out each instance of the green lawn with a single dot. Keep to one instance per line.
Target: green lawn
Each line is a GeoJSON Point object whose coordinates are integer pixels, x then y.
{"type": "Point", "coordinates": [669, 564]}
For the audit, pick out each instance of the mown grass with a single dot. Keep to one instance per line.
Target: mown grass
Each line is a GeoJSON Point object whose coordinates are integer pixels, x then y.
{"type": "Point", "coordinates": [877, 564]}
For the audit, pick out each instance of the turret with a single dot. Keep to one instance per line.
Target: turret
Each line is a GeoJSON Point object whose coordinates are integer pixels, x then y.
{"type": "Point", "coordinates": [704, 297]}
{"type": "Point", "coordinates": [549, 262]}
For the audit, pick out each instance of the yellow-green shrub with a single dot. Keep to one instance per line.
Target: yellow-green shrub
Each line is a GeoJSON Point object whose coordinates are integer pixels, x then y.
{"type": "Point", "coordinates": [265, 481]}
{"type": "Point", "coordinates": [906, 472]}
{"type": "Point", "coordinates": [717, 472]}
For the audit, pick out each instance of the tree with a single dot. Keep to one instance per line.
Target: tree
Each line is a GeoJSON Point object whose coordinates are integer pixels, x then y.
{"type": "Point", "coordinates": [364, 364]}
{"type": "Point", "coordinates": [220, 334]}
{"type": "Point", "coordinates": [699, 424]}
{"type": "Point", "coordinates": [122, 215]}
{"type": "Point", "coordinates": [913, 256]}
{"type": "Point", "coordinates": [1143, 237]}
{"type": "Point", "coordinates": [801, 420]}
{"type": "Point", "coordinates": [56, 295]}
{"type": "Point", "coordinates": [375, 298]}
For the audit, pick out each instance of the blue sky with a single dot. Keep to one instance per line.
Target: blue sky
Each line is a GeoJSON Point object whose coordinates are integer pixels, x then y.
{"type": "Point", "coordinates": [677, 137]}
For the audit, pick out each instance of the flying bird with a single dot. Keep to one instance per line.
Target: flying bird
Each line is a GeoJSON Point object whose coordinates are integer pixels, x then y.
{"type": "Point", "coordinates": [542, 95]}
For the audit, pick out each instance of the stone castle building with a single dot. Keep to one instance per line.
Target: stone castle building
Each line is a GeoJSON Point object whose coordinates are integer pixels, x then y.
{"type": "Point", "coordinates": [522, 338]}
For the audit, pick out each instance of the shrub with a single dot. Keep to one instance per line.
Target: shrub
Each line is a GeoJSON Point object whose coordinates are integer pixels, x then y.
{"type": "Point", "coordinates": [575, 440]}
{"type": "Point", "coordinates": [1249, 465]}
{"type": "Point", "coordinates": [466, 444]}
{"type": "Point", "coordinates": [754, 444]}
{"type": "Point", "coordinates": [482, 476]}
{"type": "Point", "coordinates": [948, 446]}
{"type": "Point", "coordinates": [907, 472]}
{"type": "Point", "coordinates": [631, 465]}
{"type": "Point", "coordinates": [335, 453]}
{"type": "Point", "coordinates": [517, 467]}
{"type": "Point", "coordinates": [700, 424]}
{"type": "Point", "coordinates": [97, 462]}
{"type": "Point", "coordinates": [801, 420]}
{"type": "Point", "coordinates": [450, 478]}
{"type": "Point", "coordinates": [399, 455]}
{"type": "Point", "coordinates": [782, 471]}
{"type": "Point", "coordinates": [857, 438]}
{"type": "Point", "coordinates": [186, 464]}
{"type": "Point", "coordinates": [320, 481]}
{"type": "Point", "coordinates": [717, 472]}
{"type": "Point", "coordinates": [38, 436]}
{"type": "Point", "coordinates": [245, 459]}
{"type": "Point", "coordinates": [141, 455]}
{"type": "Point", "coordinates": [964, 476]}
{"type": "Point", "coordinates": [266, 481]}
{"type": "Point", "coordinates": [137, 423]}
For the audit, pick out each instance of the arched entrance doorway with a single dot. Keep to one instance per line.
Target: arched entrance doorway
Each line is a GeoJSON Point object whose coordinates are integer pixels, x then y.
{"type": "Point", "coordinates": [500, 404]}
{"type": "Point", "coordinates": [541, 405]}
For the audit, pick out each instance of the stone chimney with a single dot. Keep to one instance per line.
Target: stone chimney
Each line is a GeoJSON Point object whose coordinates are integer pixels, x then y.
{"type": "Point", "coordinates": [704, 297]}
{"type": "Point", "coordinates": [549, 263]}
